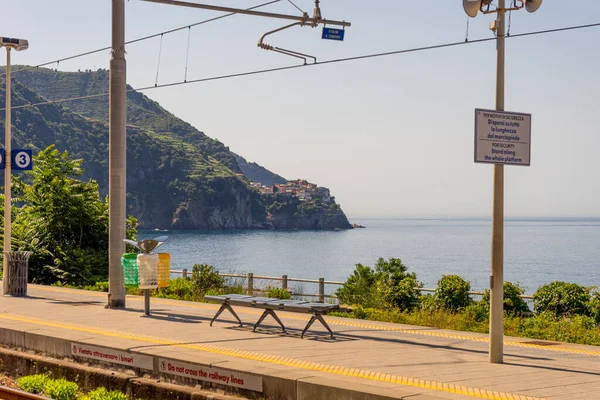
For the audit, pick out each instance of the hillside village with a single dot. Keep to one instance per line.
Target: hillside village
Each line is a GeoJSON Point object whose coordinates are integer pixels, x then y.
{"type": "Point", "coordinates": [300, 188]}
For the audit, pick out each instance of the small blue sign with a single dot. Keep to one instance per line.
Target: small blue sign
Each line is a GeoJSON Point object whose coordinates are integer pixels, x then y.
{"type": "Point", "coordinates": [21, 159]}
{"type": "Point", "coordinates": [2, 159]}
{"type": "Point", "coordinates": [333, 34]}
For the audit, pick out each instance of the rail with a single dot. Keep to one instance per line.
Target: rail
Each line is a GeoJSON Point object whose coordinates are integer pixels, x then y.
{"type": "Point", "coordinates": [7, 393]}
{"type": "Point", "coordinates": [284, 279]}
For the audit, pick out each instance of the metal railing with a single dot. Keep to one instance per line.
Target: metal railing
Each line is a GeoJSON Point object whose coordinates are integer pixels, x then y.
{"type": "Point", "coordinates": [284, 279]}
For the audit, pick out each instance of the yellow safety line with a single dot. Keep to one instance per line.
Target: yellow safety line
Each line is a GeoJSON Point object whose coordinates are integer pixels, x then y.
{"type": "Point", "coordinates": [350, 323]}
{"type": "Point", "coordinates": [289, 362]}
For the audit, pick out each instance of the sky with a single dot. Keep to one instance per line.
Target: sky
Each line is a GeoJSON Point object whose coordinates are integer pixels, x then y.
{"type": "Point", "coordinates": [390, 136]}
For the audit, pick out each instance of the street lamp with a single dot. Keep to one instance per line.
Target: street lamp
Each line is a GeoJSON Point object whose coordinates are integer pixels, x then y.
{"type": "Point", "coordinates": [18, 45]}
{"type": "Point", "coordinates": [472, 7]}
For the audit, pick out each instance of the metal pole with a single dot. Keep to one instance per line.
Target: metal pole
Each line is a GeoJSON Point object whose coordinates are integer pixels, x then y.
{"type": "Point", "coordinates": [321, 290]}
{"type": "Point", "coordinates": [305, 18]}
{"type": "Point", "coordinates": [497, 276]}
{"type": "Point", "coordinates": [146, 302]}
{"type": "Point", "coordinates": [7, 188]}
{"type": "Point", "coordinates": [250, 290]}
{"type": "Point", "coordinates": [117, 158]}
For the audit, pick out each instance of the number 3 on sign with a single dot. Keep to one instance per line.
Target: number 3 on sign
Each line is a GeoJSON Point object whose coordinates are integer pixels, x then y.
{"type": "Point", "coordinates": [21, 160]}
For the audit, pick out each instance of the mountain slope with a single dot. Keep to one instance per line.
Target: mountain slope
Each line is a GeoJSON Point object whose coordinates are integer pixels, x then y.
{"type": "Point", "coordinates": [170, 184]}
{"type": "Point", "coordinates": [257, 173]}
{"type": "Point", "coordinates": [177, 177]}
{"type": "Point", "coordinates": [142, 112]}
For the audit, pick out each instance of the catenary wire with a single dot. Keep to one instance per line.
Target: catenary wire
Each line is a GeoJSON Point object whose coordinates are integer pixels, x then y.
{"type": "Point", "coordinates": [87, 53]}
{"type": "Point", "coordinates": [333, 61]}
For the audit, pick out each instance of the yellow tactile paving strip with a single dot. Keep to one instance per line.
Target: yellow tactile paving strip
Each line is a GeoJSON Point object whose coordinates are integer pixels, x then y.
{"type": "Point", "coordinates": [361, 325]}
{"type": "Point", "coordinates": [286, 361]}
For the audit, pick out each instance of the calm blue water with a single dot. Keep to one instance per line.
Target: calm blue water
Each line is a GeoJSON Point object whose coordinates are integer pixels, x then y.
{"type": "Point", "coordinates": [537, 251]}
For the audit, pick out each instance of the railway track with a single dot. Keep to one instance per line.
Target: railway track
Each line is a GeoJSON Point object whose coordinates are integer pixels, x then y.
{"type": "Point", "coordinates": [7, 393]}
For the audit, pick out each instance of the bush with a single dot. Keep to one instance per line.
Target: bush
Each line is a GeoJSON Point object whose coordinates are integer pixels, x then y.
{"type": "Point", "coordinates": [513, 304]}
{"type": "Point", "coordinates": [452, 293]}
{"type": "Point", "coordinates": [389, 285]}
{"type": "Point", "coordinates": [103, 394]}
{"type": "Point", "coordinates": [33, 383]}
{"type": "Point", "coordinates": [278, 293]}
{"type": "Point", "coordinates": [562, 299]}
{"type": "Point", "coordinates": [61, 389]}
{"type": "Point", "coordinates": [97, 287]}
{"type": "Point", "coordinates": [178, 289]}
{"type": "Point", "coordinates": [594, 306]}
{"type": "Point", "coordinates": [204, 278]}
{"type": "Point", "coordinates": [358, 289]}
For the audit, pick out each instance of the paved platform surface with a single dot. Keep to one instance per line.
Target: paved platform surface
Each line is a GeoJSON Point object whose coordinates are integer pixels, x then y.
{"type": "Point", "coordinates": [397, 361]}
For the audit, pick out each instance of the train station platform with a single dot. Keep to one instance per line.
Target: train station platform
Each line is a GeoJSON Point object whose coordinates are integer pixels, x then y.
{"type": "Point", "coordinates": [365, 359]}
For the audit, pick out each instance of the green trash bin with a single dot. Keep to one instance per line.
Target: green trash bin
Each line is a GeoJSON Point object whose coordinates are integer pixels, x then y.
{"type": "Point", "coordinates": [130, 269]}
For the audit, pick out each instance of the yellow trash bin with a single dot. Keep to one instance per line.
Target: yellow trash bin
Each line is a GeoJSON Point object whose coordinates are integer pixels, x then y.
{"type": "Point", "coordinates": [164, 269]}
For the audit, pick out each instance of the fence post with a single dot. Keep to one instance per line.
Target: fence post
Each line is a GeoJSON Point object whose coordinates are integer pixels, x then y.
{"type": "Point", "coordinates": [185, 273]}
{"type": "Point", "coordinates": [250, 284]}
{"type": "Point", "coordinates": [321, 290]}
{"type": "Point", "coordinates": [284, 282]}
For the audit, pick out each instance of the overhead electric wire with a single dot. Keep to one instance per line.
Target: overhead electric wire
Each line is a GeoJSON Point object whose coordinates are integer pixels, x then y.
{"type": "Point", "coordinates": [333, 61]}
{"type": "Point", "coordinates": [87, 53]}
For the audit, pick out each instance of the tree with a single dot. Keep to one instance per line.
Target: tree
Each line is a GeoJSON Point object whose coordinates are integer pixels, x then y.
{"type": "Point", "coordinates": [388, 285]}
{"type": "Point", "coordinates": [62, 221]}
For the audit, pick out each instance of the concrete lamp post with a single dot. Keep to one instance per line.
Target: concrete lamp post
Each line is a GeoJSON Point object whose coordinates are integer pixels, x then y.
{"type": "Point", "coordinates": [18, 45]}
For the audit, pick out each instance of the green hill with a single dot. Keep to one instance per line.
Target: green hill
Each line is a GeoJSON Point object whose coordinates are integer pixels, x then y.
{"type": "Point", "coordinates": [177, 177]}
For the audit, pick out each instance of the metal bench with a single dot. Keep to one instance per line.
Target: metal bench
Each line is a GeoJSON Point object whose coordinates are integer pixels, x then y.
{"type": "Point", "coordinates": [270, 305]}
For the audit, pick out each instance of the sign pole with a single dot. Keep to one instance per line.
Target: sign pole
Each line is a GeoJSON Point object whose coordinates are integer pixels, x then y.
{"type": "Point", "coordinates": [496, 348]}
{"type": "Point", "coordinates": [7, 172]}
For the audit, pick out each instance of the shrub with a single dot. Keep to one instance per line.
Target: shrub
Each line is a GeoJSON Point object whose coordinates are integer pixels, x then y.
{"type": "Point", "coordinates": [513, 304]}
{"type": "Point", "coordinates": [97, 287]}
{"type": "Point", "coordinates": [204, 278]}
{"type": "Point", "coordinates": [103, 394]}
{"type": "Point", "coordinates": [594, 306]}
{"type": "Point", "coordinates": [178, 289]}
{"type": "Point", "coordinates": [562, 299]}
{"type": "Point", "coordinates": [358, 289]}
{"type": "Point", "coordinates": [33, 383]}
{"type": "Point", "coordinates": [453, 293]}
{"type": "Point", "coordinates": [61, 389]}
{"type": "Point", "coordinates": [388, 285]}
{"type": "Point", "coordinates": [278, 293]}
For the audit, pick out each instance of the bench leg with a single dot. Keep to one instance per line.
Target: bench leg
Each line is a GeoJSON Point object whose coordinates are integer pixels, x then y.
{"type": "Point", "coordinates": [316, 317]}
{"type": "Point", "coordinates": [227, 307]}
{"type": "Point", "coordinates": [272, 314]}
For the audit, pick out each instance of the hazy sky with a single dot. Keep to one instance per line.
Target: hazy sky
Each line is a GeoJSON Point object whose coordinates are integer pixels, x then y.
{"type": "Point", "coordinates": [391, 136]}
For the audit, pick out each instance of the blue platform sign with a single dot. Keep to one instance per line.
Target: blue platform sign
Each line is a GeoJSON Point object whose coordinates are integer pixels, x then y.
{"type": "Point", "coordinates": [333, 34]}
{"type": "Point", "coordinates": [21, 159]}
{"type": "Point", "coordinates": [2, 161]}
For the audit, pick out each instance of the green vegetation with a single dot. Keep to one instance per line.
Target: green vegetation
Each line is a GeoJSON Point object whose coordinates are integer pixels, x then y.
{"type": "Point", "coordinates": [204, 278]}
{"type": "Point", "coordinates": [452, 293]}
{"type": "Point", "coordinates": [562, 299]}
{"type": "Point", "coordinates": [564, 312]}
{"type": "Point", "coordinates": [33, 383]}
{"type": "Point", "coordinates": [63, 221]}
{"type": "Point", "coordinates": [277, 293]}
{"type": "Point", "coordinates": [513, 303]}
{"type": "Point", "coordinates": [61, 389]}
{"type": "Point", "coordinates": [388, 285]}
{"type": "Point", "coordinates": [103, 394]}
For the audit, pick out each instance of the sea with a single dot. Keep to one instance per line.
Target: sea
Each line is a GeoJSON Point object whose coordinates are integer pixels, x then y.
{"type": "Point", "coordinates": [536, 250]}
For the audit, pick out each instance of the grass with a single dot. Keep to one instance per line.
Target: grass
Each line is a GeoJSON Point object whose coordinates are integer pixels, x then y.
{"type": "Point", "coordinates": [574, 329]}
